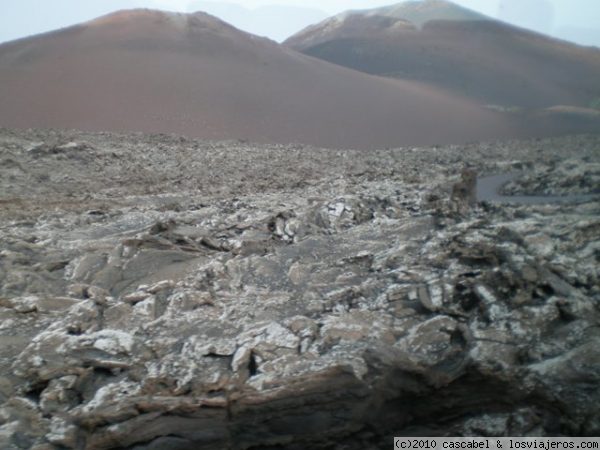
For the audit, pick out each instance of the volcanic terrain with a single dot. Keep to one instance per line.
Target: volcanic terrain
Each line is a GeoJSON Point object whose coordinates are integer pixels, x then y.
{"type": "Point", "coordinates": [445, 45]}
{"type": "Point", "coordinates": [159, 293]}
{"type": "Point", "coordinates": [150, 71]}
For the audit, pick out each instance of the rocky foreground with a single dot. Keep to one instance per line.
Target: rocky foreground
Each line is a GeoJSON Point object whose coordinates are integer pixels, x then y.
{"type": "Point", "coordinates": [163, 293]}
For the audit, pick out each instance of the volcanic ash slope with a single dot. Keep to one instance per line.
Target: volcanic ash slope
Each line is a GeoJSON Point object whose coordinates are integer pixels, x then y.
{"type": "Point", "coordinates": [445, 45]}
{"type": "Point", "coordinates": [194, 75]}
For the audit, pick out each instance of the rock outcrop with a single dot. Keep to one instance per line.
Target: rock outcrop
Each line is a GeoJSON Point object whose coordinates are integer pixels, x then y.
{"type": "Point", "coordinates": [157, 292]}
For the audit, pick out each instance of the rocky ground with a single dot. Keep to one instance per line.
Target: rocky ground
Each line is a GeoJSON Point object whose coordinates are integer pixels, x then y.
{"type": "Point", "coordinates": [164, 293]}
{"type": "Point", "coordinates": [559, 177]}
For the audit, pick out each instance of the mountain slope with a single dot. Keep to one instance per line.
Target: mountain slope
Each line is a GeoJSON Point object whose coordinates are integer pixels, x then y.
{"type": "Point", "coordinates": [445, 45]}
{"type": "Point", "coordinates": [150, 71]}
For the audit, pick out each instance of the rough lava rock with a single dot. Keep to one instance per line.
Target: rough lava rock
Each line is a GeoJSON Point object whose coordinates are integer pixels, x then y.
{"type": "Point", "coordinates": [158, 292]}
{"type": "Point", "coordinates": [558, 177]}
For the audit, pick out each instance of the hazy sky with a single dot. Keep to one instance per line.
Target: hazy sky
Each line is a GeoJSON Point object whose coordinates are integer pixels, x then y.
{"type": "Point", "coordinates": [576, 20]}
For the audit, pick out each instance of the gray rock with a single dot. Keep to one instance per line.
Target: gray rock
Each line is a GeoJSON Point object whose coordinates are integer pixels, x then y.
{"type": "Point", "coordinates": [192, 295]}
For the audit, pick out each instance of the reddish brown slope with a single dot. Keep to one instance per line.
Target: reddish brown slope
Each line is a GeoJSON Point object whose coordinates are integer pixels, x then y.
{"type": "Point", "coordinates": [485, 59]}
{"type": "Point", "coordinates": [194, 75]}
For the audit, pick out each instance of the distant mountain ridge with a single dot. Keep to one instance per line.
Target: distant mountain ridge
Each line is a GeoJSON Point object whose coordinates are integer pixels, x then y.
{"type": "Point", "coordinates": [414, 12]}
{"type": "Point", "coordinates": [451, 47]}
{"type": "Point", "coordinates": [195, 75]}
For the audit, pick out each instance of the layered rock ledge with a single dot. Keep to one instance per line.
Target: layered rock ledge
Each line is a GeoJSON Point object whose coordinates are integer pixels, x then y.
{"type": "Point", "coordinates": [163, 293]}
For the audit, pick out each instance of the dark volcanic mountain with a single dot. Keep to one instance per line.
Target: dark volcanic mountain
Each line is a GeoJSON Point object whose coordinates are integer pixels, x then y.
{"type": "Point", "coordinates": [454, 48]}
{"type": "Point", "coordinates": [194, 75]}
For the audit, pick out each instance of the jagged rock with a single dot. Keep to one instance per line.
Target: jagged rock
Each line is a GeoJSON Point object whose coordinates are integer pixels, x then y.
{"type": "Point", "coordinates": [62, 433]}
{"type": "Point", "coordinates": [60, 395]}
{"type": "Point", "coordinates": [558, 177]}
{"type": "Point", "coordinates": [464, 191]}
{"type": "Point", "coordinates": [211, 243]}
{"type": "Point", "coordinates": [324, 298]}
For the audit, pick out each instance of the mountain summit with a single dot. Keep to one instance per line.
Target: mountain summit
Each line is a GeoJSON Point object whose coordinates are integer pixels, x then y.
{"type": "Point", "coordinates": [419, 12]}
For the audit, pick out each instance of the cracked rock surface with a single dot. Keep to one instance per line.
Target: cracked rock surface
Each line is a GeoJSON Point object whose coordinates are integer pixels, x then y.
{"type": "Point", "coordinates": [163, 293]}
{"type": "Point", "coordinates": [559, 176]}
